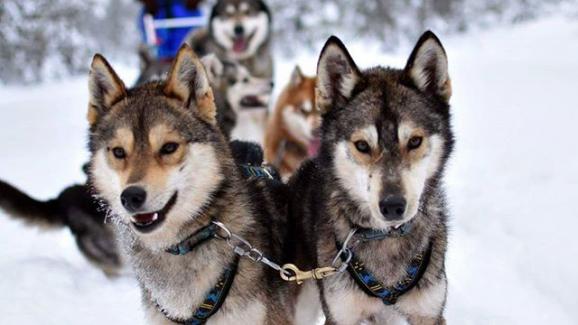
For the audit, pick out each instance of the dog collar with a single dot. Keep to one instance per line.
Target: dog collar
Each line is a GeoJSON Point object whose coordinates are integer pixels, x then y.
{"type": "Point", "coordinates": [213, 300]}
{"type": "Point", "coordinates": [194, 240]}
{"type": "Point", "coordinates": [367, 234]}
{"type": "Point", "coordinates": [373, 287]}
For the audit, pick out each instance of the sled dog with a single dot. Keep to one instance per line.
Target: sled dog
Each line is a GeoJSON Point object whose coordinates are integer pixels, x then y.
{"type": "Point", "coordinates": [373, 198]}
{"type": "Point", "coordinates": [151, 68]}
{"type": "Point", "coordinates": [238, 94]}
{"type": "Point", "coordinates": [166, 172]}
{"type": "Point", "coordinates": [238, 30]}
{"type": "Point", "coordinates": [292, 133]}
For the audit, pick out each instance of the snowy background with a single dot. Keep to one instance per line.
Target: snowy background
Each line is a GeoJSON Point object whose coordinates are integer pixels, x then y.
{"type": "Point", "coordinates": [512, 181]}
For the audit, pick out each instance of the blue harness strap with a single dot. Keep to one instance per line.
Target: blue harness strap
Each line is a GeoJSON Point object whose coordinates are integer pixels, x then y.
{"type": "Point", "coordinates": [373, 287]}
{"type": "Point", "coordinates": [216, 296]}
{"type": "Point", "coordinates": [213, 300]}
{"type": "Point", "coordinates": [194, 240]}
{"type": "Point", "coordinates": [259, 171]}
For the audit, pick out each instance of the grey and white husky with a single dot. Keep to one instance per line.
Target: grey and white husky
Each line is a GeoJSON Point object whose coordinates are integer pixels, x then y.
{"type": "Point", "coordinates": [239, 30]}
{"type": "Point", "coordinates": [164, 168]}
{"type": "Point", "coordinates": [240, 95]}
{"type": "Point", "coordinates": [375, 191]}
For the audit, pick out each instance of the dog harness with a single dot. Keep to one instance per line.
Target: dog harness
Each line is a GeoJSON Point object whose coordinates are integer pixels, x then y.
{"type": "Point", "coordinates": [194, 240]}
{"type": "Point", "coordinates": [213, 300]}
{"type": "Point", "coordinates": [369, 283]}
{"type": "Point", "coordinates": [216, 296]}
{"type": "Point", "coordinates": [263, 171]}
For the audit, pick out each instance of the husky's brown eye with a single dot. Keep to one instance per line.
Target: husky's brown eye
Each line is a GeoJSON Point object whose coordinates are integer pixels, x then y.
{"type": "Point", "coordinates": [414, 143]}
{"type": "Point", "coordinates": [118, 153]}
{"type": "Point", "coordinates": [362, 146]}
{"type": "Point", "coordinates": [168, 148]}
{"type": "Point", "coordinates": [245, 80]}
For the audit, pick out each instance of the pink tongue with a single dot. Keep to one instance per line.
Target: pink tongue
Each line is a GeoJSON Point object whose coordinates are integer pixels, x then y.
{"type": "Point", "coordinates": [144, 218]}
{"type": "Point", "coordinates": [313, 146]}
{"type": "Point", "coordinates": [239, 44]}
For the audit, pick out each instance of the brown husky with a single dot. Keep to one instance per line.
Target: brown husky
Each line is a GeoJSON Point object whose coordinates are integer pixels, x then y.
{"type": "Point", "coordinates": [164, 168]}
{"type": "Point", "coordinates": [373, 200]}
{"type": "Point", "coordinates": [291, 134]}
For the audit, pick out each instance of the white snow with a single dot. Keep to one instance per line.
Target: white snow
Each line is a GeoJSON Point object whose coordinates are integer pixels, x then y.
{"type": "Point", "coordinates": [512, 185]}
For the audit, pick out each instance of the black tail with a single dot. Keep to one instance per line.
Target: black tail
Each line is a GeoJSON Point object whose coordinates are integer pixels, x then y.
{"type": "Point", "coordinates": [21, 206]}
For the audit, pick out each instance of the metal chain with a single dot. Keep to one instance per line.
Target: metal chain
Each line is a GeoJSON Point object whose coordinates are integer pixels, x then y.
{"type": "Point", "coordinates": [243, 248]}
{"type": "Point", "coordinates": [288, 272]}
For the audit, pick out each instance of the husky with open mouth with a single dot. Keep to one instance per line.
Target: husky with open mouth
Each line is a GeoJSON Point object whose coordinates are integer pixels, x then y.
{"type": "Point", "coordinates": [167, 174]}
{"type": "Point", "coordinates": [372, 203]}
{"type": "Point", "coordinates": [239, 30]}
{"type": "Point", "coordinates": [240, 95]}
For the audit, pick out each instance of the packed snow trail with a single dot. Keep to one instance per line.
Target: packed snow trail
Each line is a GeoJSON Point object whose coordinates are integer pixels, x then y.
{"type": "Point", "coordinates": [512, 185]}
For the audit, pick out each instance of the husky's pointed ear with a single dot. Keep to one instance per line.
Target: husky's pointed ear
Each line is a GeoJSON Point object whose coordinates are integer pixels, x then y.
{"type": "Point", "coordinates": [187, 81]}
{"type": "Point", "coordinates": [296, 76]}
{"type": "Point", "coordinates": [337, 75]}
{"type": "Point", "coordinates": [427, 67]}
{"type": "Point", "coordinates": [214, 68]}
{"type": "Point", "coordinates": [105, 88]}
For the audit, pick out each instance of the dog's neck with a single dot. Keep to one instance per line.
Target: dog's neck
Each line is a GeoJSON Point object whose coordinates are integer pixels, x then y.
{"type": "Point", "coordinates": [179, 283]}
{"type": "Point", "coordinates": [390, 255]}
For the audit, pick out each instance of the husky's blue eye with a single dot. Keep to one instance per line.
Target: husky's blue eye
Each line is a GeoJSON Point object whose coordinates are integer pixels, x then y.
{"type": "Point", "coordinates": [362, 146]}
{"type": "Point", "coordinates": [118, 153]}
{"type": "Point", "coordinates": [414, 143]}
{"type": "Point", "coordinates": [168, 148]}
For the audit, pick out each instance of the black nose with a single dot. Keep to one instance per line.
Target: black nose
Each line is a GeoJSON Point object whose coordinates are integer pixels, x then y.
{"type": "Point", "coordinates": [392, 207]}
{"type": "Point", "coordinates": [133, 198]}
{"type": "Point", "coordinates": [239, 30]}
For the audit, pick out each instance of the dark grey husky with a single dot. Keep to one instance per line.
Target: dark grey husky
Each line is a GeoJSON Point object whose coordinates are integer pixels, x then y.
{"type": "Point", "coordinates": [373, 200]}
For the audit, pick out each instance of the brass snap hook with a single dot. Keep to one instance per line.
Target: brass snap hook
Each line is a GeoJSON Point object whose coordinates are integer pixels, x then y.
{"type": "Point", "coordinates": [301, 276]}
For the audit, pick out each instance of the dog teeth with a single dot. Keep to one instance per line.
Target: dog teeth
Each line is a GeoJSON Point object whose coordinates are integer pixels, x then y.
{"type": "Point", "coordinates": [155, 217]}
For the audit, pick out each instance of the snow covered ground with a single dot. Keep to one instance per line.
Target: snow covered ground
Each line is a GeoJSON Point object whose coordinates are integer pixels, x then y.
{"type": "Point", "coordinates": [512, 183]}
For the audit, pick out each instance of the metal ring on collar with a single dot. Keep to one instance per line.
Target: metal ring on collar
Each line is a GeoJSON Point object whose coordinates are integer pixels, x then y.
{"type": "Point", "coordinates": [228, 233]}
